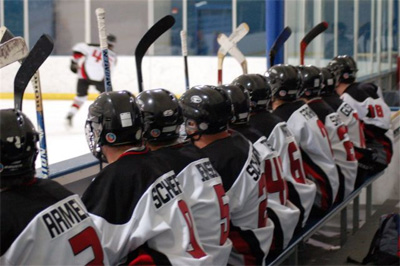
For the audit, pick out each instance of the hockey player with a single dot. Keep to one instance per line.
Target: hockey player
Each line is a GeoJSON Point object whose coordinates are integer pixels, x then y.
{"type": "Point", "coordinates": [310, 133]}
{"type": "Point", "coordinates": [136, 200]}
{"type": "Point", "coordinates": [207, 111]}
{"type": "Point", "coordinates": [200, 182]}
{"type": "Point", "coordinates": [302, 191]}
{"type": "Point", "coordinates": [311, 82]}
{"type": "Point", "coordinates": [87, 63]}
{"type": "Point", "coordinates": [350, 119]}
{"type": "Point", "coordinates": [373, 111]}
{"type": "Point", "coordinates": [42, 223]}
{"type": "Point", "coordinates": [281, 211]}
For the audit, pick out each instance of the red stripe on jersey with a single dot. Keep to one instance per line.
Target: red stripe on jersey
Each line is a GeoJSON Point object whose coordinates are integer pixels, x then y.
{"type": "Point", "coordinates": [143, 259]}
{"type": "Point", "coordinates": [76, 106]}
{"type": "Point", "coordinates": [321, 184]}
{"type": "Point", "coordinates": [242, 247]}
{"type": "Point", "coordinates": [83, 72]}
{"type": "Point", "coordinates": [134, 153]}
{"type": "Point", "coordinates": [77, 55]}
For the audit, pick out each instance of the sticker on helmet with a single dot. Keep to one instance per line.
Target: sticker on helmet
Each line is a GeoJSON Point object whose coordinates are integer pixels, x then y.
{"type": "Point", "coordinates": [155, 133]}
{"type": "Point", "coordinates": [111, 137]}
{"type": "Point", "coordinates": [168, 112]}
{"type": "Point", "coordinates": [282, 93]}
{"type": "Point", "coordinates": [196, 99]}
{"type": "Point", "coordinates": [346, 75]}
{"type": "Point", "coordinates": [203, 126]}
{"type": "Point", "coordinates": [316, 82]}
{"type": "Point", "coordinates": [138, 134]}
{"type": "Point", "coordinates": [126, 119]}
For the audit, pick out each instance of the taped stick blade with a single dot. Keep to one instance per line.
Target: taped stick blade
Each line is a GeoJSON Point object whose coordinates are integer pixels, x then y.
{"type": "Point", "coordinates": [278, 44]}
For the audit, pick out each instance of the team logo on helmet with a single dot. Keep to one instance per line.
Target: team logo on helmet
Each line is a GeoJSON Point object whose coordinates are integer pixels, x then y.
{"type": "Point", "coordinates": [168, 112]}
{"type": "Point", "coordinates": [346, 75]}
{"type": "Point", "coordinates": [155, 133]}
{"type": "Point", "coordinates": [282, 93]}
{"type": "Point", "coordinates": [111, 137]}
{"type": "Point", "coordinates": [307, 93]}
{"type": "Point", "coordinates": [196, 99]}
{"type": "Point", "coordinates": [203, 126]}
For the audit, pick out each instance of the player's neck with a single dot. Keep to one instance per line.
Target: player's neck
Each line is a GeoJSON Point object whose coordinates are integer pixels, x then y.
{"type": "Point", "coordinates": [340, 89]}
{"type": "Point", "coordinates": [276, 103]}
{"type": "Point", "coordinates": [112, 153]}
{"type": "Point", "coordinates": [205, 140]}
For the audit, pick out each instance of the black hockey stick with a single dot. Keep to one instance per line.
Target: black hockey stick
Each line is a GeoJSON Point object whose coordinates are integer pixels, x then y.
{"type": "Point", "coordinates": [148, 39]}
{"type": "Point", "coordinates": [36, 57]}
{"type": "Point", "coordinates": [278, 44]}
{"type": "Point", "coordinates": [314, 32]}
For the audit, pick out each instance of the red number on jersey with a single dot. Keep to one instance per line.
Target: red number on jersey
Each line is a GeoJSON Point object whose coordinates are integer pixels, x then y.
{"type": "Point", "coordinates": [295, 165]}
{"type": "Point", "coordinates": [348, 145]}
{"type": "Point", "coordinates": [361, 130]}
{"type": "Point", "coordinates": [324, 133]}
{"type": "Point", "coordinates": [262, 207]}
{"type": "Point", "coordinates": [85, 239]}
{"type": "Point", "coordinates": [196, 251]}
{"type": "Point", "coordinates": [275, 182]}
{"type": "Point", "coordinates": [96, 54]}
{"type": "Point", "coordinates": [375, 111]}
{"type": "Point", "coordinates": [224, 210]}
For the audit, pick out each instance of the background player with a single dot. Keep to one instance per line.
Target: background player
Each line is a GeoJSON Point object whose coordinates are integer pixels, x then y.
{"type": "Point", "coordinates": [207, 111]}
{"type": "Point", "coordinates": [39, 209]}
{"type": "Point", "coordinates": [136, 200]}
{"type": "Point", "coordinates": [201, 183]}
{"type": "Point", "coordinates": [87, 63]}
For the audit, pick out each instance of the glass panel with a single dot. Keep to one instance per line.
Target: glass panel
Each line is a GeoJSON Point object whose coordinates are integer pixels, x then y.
{"type": "Point", "coordinates": [345, 28]}
{"type": "Point", "coordinates": [364, 38]}
{"type": "Point", "coordinates": [14, 16]}
{"type": "Point", "coordinates": [385, 36]}
{"type": "Point", "coordinates": [295, 20]}
{"type": "Point", "coordinates": [328, 8]}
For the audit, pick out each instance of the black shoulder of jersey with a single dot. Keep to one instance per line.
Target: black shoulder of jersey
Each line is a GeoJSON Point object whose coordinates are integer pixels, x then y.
{"type": "Point", "coordinates": [285, 110]}
{"type": "Point", "coordinates": [333, 100]}
{"type": "Point", "coordinates": [321, 108]}
{"type": "Point", "coordinates": [356, 93]}
{"type": "Point", "coordinates": [265, 122]}
{"type": "Point", "coordinates": [21, 204]}
{"type": "Point", "coordinates": [249, 132]}
{"type": "Point", "coordinates": [228, 156]}
{"type": "Point", "coordinates": [370, 88]}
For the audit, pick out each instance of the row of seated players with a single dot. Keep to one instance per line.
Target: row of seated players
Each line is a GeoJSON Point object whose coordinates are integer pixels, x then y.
{"type": "Point", "coordinates": [235, 194]}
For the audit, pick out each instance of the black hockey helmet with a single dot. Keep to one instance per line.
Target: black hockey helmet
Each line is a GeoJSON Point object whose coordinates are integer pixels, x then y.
{"type": "Point", "coordinates": [283, 81]}
{"type": "Point", "coordinates": [161, 113]}
{"type": "Point", "coordinates": [344, 68]}
{"type": "Point", "coordinates": [18, 139]}
{"type": "Point", "coordinates": [240, 99]}
{"type": "Point", "coordinates": [310, 81]}
{"type": "Point", "coordinates": [257, 87]}
{"type": "Point", "coordinates": [208, 106]}
{"type": "Point", "coordinates": [328, 81]}
{"type": "Point", "coordinates": [114, 119]}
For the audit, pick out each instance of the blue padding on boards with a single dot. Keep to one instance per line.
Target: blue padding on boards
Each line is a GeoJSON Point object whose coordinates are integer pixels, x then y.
{"type": "Point", "coordinates": [274, 24]}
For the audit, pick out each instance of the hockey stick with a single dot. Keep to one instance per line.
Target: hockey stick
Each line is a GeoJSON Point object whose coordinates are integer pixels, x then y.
{"type": "Point", "coordinates": [101, 23]}
{"type": "Point", "coordinates": [184, 54]}
{"type": "Point", "coordinates": [148, 39]}
{"type": "Point", "coordinates": [229, 46]}
{"type": "Point", "coordinates": [29, 67]}
{"type": "Point", "coordinates": [12, 50]}
{"type": "Point", "coordinates": [314, 32]}
{"type": "Point", "coordinates": [5, 34]}
{"type": "Point", "coordinates": [278, 44]}
{"type": "Point", "coordinates": [235, 37]}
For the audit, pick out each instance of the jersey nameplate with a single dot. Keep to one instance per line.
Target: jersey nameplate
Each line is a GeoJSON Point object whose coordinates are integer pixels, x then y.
{"type": "Point", "coordinates": [253, 169]}
{"type": "Point", "coordinates": [307, 112]}
{"type": "Point", "coordinates": [334, 119]}
{"type": "Point", "coordinates": [206, 171]}
{"type": "Point", "coordinates": [165, 189]}
{"type": "Point", "coordinates": [62, 218]}
{"type": "Point", "coordinates": [346, 109]}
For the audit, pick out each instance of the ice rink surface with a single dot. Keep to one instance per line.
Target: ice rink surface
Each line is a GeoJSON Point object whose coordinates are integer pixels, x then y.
{"type": "Point", "coordinates": [63, 142]}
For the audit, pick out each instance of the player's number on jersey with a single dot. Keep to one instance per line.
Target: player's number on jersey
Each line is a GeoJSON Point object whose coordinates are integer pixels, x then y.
{"type": "Point", "coordinates": [295, 164]}
{"type": "Point", "coordinates": [375, 111]}
{"type": "Point", "coordinates": [348, 145]}
{"type": "Point", "coordinates": [85, 239]}
{"type": "Point", "coordinates": [97, 54]}
{"type": "Point", "coordinates": [224, 212]}
{"type": "Point", "coordinates": [262, 206]}
{"type": "Point", "coordinates": [275, 182]}
{"type": "Point", "coordinates": [324, 133]}
{"type": "Point", "coordinates": [195, 249]}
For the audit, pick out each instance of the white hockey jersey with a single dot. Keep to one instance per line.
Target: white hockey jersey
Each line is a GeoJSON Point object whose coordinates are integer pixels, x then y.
{"type": "Point", "coordinates": [313, 139]}
{"type": "Point", "coordinates": [44, 224]}
{"type": "Point", "coordinates": [281, 211]}
{"type": "Point", "coordinates": [205, 196]}
{"type": "Point", "coordinates": [138, 201]}
{"type": "Point", "coordinates": [251, 232]}
{"type": "Point", "coordinates": [342, 146]}
{"type": "Point", "coordinates": [89, 59]}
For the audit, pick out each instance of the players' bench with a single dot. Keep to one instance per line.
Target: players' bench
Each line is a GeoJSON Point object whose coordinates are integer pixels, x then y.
{"type": "Point", "coordinates": [290, 253]}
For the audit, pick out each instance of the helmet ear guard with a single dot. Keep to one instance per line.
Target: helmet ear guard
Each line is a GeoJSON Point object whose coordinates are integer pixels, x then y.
{"type": "Point", "coordinates": [284, 82]}
{"type": "Point", "coordinates": [310, 81]}
{"type": "Point", "coordinates": [240, 99]}
{"type": "Point", "coordinates": [344, 68]}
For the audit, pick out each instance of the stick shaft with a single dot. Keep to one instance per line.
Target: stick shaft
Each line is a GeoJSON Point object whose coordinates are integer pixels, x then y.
{"type": "Point", "coordinates": [101, 23]}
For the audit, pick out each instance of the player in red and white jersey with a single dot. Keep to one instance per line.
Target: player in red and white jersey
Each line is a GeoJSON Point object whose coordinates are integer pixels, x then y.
{"type": "Point", "coordinates": [87, 63]}
{"type": "Point", "coordinates": [136, 200]}
{"type": "Point", "coordinates": [284, 214]}
{"type": "Point", "coordinates": [302, 191]}
{"type": "Point", "coordinates": [373, 111]}
{"type": "Point", "coordinates": [309, 132]}
{"type": "Point", "coordinates": [207, 111]}
{"type": "Point", "coordinates": [350, 119]}
{"type": "Point", "coordinates": [342, 146]}
{"type": "Point", "coordinates": [42, 223]}
{"type": "Point", "coordinates": [201, 184]}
